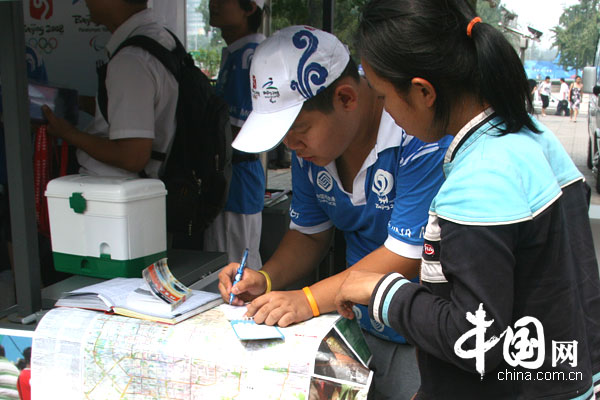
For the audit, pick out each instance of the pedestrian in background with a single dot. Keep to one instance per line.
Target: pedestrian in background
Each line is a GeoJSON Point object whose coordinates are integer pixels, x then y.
{"type": "Point", "coordinates": [23, 382]}
{"type": "Point", "coordinates": [575, 97]}
{"type": "Point", "coordinates": [545, 90]}
{"type": "Point", "coordinates": [563, 95]}
{"type": "Point", "coordinates": [8, 377]}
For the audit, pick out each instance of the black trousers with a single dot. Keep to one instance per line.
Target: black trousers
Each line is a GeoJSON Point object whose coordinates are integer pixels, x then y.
{"type": "Point", "coordinates": [563, 105]}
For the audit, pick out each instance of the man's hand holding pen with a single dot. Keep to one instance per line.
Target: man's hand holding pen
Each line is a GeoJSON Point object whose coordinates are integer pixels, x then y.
{"type": "Point", "coordinates": [251, 285]}
{"type": "Point", "coordinates": [239, 273]}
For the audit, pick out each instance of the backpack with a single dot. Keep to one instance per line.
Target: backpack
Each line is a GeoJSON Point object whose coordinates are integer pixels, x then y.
{"type": "Point", "coordinates": [197, 169]}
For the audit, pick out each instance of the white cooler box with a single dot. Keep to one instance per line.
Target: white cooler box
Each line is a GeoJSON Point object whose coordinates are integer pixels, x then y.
{"type": "Point", "coordinates": [106, 227]}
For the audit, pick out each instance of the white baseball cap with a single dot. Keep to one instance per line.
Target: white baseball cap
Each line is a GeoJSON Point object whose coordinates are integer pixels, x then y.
{"type": "Point", "coordinates": [260, 3]}
{"type": "Point", "coordinates": [288, 68]}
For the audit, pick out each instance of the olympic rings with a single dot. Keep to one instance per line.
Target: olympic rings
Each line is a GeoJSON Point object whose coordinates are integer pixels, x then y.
{"type": "Point", "coordinates": [44, 44]}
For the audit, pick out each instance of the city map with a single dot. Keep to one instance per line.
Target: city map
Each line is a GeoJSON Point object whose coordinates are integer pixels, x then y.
{"type": "Point", "coordinates": [90, 355]}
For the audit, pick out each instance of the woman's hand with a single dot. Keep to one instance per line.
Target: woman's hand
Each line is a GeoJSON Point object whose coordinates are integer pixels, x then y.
{"type": "Point", "coordinates": [356, 289]}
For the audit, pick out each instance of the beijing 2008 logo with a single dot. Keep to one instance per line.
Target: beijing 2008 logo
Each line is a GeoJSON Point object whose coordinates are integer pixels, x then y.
{"type": "Point", "coordinates": [46, 45]}
{"type": "Point", "coordinates": [383, 183]}
{"type": "Point", "coordinates": [41, 9]}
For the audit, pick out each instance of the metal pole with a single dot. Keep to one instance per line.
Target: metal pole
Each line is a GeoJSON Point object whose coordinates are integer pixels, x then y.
{"type": "Point", "coordinates": [328, 7]}
{"type": "Point", "coordinates": [266, 30]}
{"type": "Point", "coordinates": [19, 157]}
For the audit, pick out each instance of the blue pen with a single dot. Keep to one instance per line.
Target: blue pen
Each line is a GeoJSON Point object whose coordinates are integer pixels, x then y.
{"type": "Point", "coordinates": [240, 272]}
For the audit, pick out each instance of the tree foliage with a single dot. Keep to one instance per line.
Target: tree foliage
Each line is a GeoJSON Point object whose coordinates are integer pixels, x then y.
{"type": "Point", "coordinates": [310, 12]}
{"type": "Point", "coordinates": [488, 14]}
{"type": "Point", "coordinates": [576, 36]}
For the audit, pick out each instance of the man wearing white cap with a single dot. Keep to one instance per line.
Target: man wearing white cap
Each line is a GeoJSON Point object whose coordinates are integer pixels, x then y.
{"type": "Point", "coordinates": [239, 226]}
{"type": "Point", "coordinates": [354, 169]}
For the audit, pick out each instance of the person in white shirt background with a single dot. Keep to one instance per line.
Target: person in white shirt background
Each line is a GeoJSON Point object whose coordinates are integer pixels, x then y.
{"type": "Point", "coordinates": [239, 225]}
{"type": "Point", "coordinates": [142, 98]}
{"type": "Point", "coordinates": [545, 90]}
{"type": "Point", "coordinates": [563, 103]}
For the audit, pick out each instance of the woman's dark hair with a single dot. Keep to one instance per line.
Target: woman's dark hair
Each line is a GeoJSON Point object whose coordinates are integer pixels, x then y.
{"type": "Point", "coordinates": [323, 101]}
{"type": "Point", "coordinates": [404, 39]}
{"type": "Point", "coordinates": [255, 19]}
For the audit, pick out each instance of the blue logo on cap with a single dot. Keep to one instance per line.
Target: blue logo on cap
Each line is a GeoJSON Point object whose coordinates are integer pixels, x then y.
{"type": "Point", "coordinates": [313, 72]}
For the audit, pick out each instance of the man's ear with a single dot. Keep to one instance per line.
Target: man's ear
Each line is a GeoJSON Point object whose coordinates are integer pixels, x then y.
{"type": "Point", "coordinates": [252, 10]}
{"type": "Point", "coordinates": [423, 92]}
{"type": "Point", "coordinates": [346, 96]}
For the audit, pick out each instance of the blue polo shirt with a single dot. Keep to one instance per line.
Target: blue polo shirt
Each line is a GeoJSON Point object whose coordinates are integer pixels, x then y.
{"type": "Point", "coordinates": [388, 205]}
{"type": "Point", "coordinates": [247, 190]}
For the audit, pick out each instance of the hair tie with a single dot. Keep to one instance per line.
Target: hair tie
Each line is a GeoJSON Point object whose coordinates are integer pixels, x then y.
{"type": "Point", "coordinates": [471, 25]}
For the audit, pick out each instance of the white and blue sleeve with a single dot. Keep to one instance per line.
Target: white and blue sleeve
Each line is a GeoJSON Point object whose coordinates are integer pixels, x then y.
{"type": "Point", "coordinates": [306, 215]}
{"type": "Point", "coordinates": [418, 179]}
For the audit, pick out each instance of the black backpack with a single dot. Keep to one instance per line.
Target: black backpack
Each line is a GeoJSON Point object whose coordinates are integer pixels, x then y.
{"type": "Point", "coordinates": [197, 169]}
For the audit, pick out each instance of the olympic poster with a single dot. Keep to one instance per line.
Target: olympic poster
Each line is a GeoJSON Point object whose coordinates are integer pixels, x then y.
{"type": "Point", "coordinates": [70, 44]}
{"type": "Point", "coordinates": [61, 33]}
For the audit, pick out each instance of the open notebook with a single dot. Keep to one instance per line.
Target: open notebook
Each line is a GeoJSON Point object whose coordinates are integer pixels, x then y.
{"type": "Point", "coordinates": [131, 297]}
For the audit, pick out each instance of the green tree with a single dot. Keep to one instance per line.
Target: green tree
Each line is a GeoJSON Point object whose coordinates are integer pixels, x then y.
{"type": "Point", "coordinates": [309, 12]}
{"type": "Point", "coordinates": [206, 48]}
{"type": "Point", "coordinates": [347, 16]}
{"type": "Point", "coordinates": [490, 15]}
{"type": "Point", "coordinates": [346, 20]}
{"type": "Point", "coordinates": [494, 17]}
{"type": "Point", "coordinates": [214, 34]}
{"type": "Point", "coordinates": [208, 59]}
{"type": "Point", "coordinates": [576, 35]}
{"type": "Point", "coordinates": [296, 12]}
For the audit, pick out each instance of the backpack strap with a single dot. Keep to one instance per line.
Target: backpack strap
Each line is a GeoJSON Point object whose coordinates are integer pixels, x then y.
{"type": "Point", "coordinates": [171, 60]}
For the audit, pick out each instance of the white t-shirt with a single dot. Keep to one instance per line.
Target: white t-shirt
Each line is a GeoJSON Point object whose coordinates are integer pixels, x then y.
{"type": "Point", "coordinates": [546, 88]}
{"type": "Point", "coordinates": [142, 96]}
{"type": "Point", "coordinates": [564, 91]}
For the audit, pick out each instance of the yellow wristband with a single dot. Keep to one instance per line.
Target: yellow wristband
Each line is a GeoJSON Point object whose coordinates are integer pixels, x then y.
{"type": "Point", "coordinates": [268, 278]}
{"type": "Point", "coordinates": [311, 301]}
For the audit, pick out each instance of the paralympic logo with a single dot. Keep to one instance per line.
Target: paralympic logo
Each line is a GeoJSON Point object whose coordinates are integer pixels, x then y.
{"type": "Point", "coordinates": [97, 43]}
{"type": "Point", "coordinates": [47, 45]}
{"type": "Point", "coordinates": [519, 348]}
{"type": "Point", "coordinates": [270, 91]}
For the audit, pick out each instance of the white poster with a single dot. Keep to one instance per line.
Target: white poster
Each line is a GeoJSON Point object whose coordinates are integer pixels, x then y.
{"type": "Point", "coordinates": [70, 44]}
